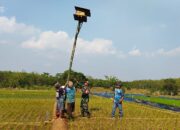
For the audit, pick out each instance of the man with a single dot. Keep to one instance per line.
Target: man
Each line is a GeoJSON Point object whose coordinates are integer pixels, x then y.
{"type": "Point", "coordinates": [118, 99]}
{"type": "Point", "coordinates": [84, 100]}
{"type": "Point", "coordinates": [70, 99]}
{"type": "Point", "coordinates": [57, 86]}
{"type": "Point", "coordinates": [61, 104]}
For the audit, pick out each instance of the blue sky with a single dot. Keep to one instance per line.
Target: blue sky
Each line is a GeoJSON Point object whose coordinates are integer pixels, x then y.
{"type": "Point", "coordinates": [128, 39]}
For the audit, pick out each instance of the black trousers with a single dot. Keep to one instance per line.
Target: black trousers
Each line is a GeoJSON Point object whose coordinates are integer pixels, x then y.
{"type": "Point", "coordinates": [70, 108]}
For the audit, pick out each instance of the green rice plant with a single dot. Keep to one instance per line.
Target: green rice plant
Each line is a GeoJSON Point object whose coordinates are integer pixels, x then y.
{"type": "Point", "coordinates": [166, 101]}
{"type": "Point", "coordinates": [25, 110]}
{"type": "Point", "coordinates": [136, 117]}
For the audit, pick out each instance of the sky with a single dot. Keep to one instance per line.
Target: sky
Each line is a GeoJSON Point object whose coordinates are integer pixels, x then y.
{"type": "Point", "coordinates": [129, 39]}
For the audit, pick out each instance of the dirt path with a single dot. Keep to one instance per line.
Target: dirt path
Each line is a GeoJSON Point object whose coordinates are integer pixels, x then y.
{"type": "Point", "coordinates": [58, 124]}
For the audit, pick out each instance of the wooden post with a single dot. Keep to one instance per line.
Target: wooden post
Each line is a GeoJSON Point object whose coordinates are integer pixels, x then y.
{"type": "Point", "coordinates": [73, 50]}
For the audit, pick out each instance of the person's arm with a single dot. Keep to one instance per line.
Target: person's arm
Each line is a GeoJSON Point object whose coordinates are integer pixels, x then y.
{"type": "Point", "coordinates": [57, 94]}
{"type": "Point", "coordinates": [113, 98]}
{"type": "Point", "coordinates": [122, 98]}
{"type": "Point", "coordinates": [65, 94]}
{"type": "Point", "coordinates": [90, 90]}
{"type": "Point", "coordinates": [80, 85]}
{"type": "Point", "coordinates": [83, 90]}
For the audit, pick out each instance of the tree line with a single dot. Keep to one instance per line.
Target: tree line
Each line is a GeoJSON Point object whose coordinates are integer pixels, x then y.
{"type": "Point", "coordinates": [33, 80]}
{"type": "Point", "coordinates": [9, 79]}
{"type": "Point", "coordinates": [164, 86]}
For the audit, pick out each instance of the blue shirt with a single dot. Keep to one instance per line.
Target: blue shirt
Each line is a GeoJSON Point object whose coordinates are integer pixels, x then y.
{"type": "Point", "coordinates": [70, 94]}
{"type": "Point", "coordinates": [118, 94]}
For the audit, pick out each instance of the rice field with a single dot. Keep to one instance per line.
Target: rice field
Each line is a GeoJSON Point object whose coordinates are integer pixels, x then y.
{"type": "Point", "coordinates": [25, 110]}
{"type": "Point", "coordinates": [136, 117]}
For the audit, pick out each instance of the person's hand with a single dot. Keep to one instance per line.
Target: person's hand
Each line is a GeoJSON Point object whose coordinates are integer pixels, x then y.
{"type": "Point", "coordinates": [120, 101]}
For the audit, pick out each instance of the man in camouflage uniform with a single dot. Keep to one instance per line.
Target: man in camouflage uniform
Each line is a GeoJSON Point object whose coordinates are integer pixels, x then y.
{"type": "Point", "coordinates": [57, 86]}
{"type": "Point", "coordinates": [84, 100]}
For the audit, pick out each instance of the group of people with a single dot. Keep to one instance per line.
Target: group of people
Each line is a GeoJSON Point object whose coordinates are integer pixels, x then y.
{"type": "Point", "coordinates": [65, 96]}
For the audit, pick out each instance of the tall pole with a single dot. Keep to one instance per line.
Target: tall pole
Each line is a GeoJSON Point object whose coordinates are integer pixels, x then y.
{"type": "Point", "coordinates": [73, 49]}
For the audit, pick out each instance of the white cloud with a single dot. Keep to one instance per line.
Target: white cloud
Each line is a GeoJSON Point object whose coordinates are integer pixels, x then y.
{"type": "Point", "coordinates": [96, 46]}
{"type": "Point", "coordinates": [31, 37]}
{"type": "Point", "coordinates": [172, 52]}
{"type": "Point", "coordinates": [48, 40]}
{"type": "Point", "coordinates": [149, 54]}
{"type": "Point", "coordinates": [135, 52]}
{"type": "Point", "coordinates": [2, 9]}
{"type": "Point", "coordinates": [12, 32]}
{"type": "Point", "coordinates": [162, 52]}
{"type": "Point", "coordinates": [10, 26]}
{"type": "Point", "coordinates": [61, 41]}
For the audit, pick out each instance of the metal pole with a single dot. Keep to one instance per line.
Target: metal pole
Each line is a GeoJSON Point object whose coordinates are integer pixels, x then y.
{"type": "Point", "coordinates": [73, 50]}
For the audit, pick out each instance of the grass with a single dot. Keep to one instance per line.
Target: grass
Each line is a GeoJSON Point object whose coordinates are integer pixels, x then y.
{"type": "Point", "coordinates": [155, 99]}
{"type": "Point", "coordinates": [171, 102]}
{"type": "Point", "coordinates": [25, 110]}
{"type": "Point", "coordinates": [136, 117]}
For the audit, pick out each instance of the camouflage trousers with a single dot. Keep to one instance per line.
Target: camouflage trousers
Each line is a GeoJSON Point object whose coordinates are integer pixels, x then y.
{"type": "Point", "coordinates": [84, 107]}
